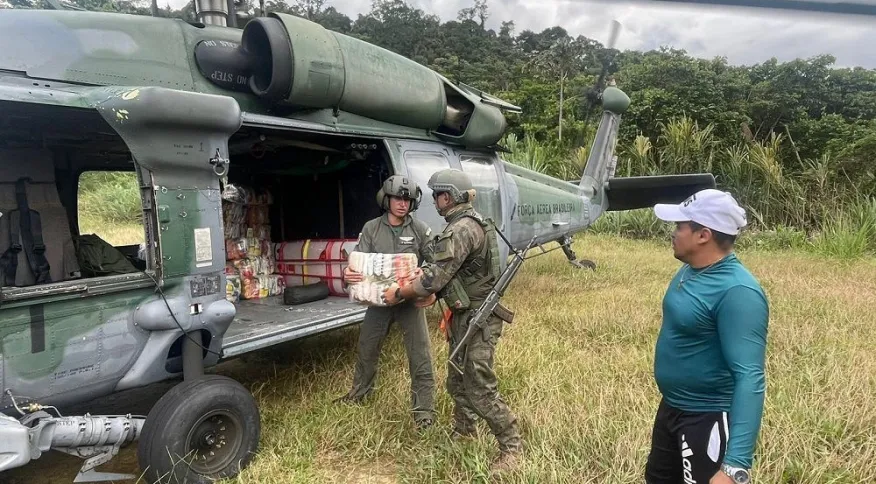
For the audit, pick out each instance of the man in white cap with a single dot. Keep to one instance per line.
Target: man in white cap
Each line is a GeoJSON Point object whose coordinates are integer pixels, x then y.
{"type": "Point", "coordinates": [709, 358]}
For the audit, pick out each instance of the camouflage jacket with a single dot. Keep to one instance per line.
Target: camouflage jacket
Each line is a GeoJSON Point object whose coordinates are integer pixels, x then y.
{"type": "Point", "coordinates": [378, 236]}
{"type": "Point", "coordinates": [458, 251]}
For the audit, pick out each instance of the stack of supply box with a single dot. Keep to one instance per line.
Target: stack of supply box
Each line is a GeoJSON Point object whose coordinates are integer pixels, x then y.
{"type": "Point", "coordinates": [380, 271]}
{"type": "Point", "coordinates": [249, 252]}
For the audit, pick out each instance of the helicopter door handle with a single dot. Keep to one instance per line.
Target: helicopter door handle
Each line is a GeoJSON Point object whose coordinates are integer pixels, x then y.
{"type": "Point", "coordinates": [220, 165]}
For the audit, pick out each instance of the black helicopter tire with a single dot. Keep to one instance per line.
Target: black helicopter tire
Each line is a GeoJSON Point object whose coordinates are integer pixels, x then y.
{"type": "Point", "coordinates": [200, 431]}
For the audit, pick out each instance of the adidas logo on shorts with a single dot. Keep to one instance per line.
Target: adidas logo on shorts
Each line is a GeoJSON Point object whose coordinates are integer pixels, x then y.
{"type": "Point", "coordinates": [688, 467]}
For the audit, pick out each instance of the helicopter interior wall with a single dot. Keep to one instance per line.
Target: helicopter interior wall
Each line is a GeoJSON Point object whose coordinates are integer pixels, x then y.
{"type": "Point", "coordinates": [322, 187]}
{"type": "Point", "coordinates": [329, 202]}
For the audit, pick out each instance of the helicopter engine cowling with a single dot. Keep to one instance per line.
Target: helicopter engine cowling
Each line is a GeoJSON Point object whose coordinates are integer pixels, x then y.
{"type": "Point", "coordinates": [299, 63]}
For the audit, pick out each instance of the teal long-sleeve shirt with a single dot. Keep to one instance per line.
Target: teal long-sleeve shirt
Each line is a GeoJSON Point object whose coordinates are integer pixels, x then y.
{"type": "Point", "coordinates": [711, 350]}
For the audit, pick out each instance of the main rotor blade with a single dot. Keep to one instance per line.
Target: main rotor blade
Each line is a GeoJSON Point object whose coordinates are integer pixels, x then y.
{"type": "Point", "coordinates": [846, 7]}
{"type": "Point", "coordinates": [613, 35]}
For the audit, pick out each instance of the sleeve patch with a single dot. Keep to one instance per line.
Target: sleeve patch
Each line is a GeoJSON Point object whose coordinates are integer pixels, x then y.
{"type": "Point", "coordinates": [444, 246]}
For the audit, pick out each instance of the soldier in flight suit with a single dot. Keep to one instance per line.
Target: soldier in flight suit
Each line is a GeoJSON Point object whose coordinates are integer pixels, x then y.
{"type": "Point", "coordinates": [396, 231]}
{"type": "Point", "coordinates": [463, 268]}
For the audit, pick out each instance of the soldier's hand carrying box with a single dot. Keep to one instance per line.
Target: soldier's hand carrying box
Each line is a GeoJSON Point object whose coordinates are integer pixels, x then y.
{"type": "Point", "coordinates": [379, 272]}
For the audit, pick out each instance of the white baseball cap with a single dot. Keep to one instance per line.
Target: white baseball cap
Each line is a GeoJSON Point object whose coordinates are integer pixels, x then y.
{"type": "Point", "coordinates": [710, 208]}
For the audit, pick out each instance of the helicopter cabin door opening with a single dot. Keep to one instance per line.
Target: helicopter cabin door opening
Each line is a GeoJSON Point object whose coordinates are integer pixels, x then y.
{"type": "Point", "coordinates": [68, 189]}
{"type": "Point", "coordinates": [292, 210]}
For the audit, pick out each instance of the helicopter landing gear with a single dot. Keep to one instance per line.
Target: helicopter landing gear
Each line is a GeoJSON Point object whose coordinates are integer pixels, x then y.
{"type": "Point", "coordinates": [566, 244]}
{"type": "Point", "coordinates": [203, 429]}
{"type": "Point", "coordinates": [193, 358]}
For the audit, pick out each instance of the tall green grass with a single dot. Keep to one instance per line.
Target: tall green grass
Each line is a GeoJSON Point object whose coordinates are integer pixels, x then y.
{"type": "Point", "coordinates": [110, 197]}
{"type": "Point", "coordinates": [852, 235]}
{"type": "Point", "coordinates": [110, 207]}
{"type": "Point", "coordinates": [576, 369]}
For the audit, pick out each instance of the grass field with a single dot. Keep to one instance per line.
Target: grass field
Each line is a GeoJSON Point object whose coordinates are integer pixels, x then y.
{"type": "Point", "coordinates": [115, 234]}
{"type": "Point", "coordinates": [576, 369]}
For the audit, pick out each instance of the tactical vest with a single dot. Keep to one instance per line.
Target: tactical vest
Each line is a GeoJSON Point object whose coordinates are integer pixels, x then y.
{"type": "Point", "coordinates": [472, 282]}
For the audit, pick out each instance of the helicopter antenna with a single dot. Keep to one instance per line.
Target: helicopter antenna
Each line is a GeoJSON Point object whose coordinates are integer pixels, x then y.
{"type": "Point", "coordinates": [214, 13]}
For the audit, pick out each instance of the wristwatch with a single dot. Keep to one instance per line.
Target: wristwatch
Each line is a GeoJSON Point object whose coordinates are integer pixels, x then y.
{"type": "Point", "coordinates": [738, 475]}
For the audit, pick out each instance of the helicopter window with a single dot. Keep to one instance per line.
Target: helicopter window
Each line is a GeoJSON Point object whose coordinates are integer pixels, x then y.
{"type": "Point", "coordinates": [486, 183]}
{"type": "Point", "coordinates": [109, 206]}
{"type": "Point", "coordinates": [421, 165]}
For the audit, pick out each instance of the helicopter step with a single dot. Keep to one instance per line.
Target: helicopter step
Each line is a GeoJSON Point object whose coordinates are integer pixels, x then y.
{"type": "Point", "coordinates": [265, 322]}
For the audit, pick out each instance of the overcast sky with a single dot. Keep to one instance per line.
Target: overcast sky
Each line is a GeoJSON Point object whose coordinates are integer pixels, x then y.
{"type": "Point", "coordinates": [743, 35]}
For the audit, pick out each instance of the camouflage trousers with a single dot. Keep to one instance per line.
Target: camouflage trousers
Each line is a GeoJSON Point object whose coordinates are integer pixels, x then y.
{"type": "Point", "coordinates": [373, 332]}
{"type": "Point", "coordinates": [476, 393]}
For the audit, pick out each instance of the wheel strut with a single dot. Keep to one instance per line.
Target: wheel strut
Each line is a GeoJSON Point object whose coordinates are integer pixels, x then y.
{"type": "Point", "coordinates": [193, 357]}
{"type": "Point", "coordinates": [566, 244]}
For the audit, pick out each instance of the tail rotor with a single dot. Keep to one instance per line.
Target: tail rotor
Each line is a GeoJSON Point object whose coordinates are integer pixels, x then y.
{"type": "Point", "coordinates": [594, 95]}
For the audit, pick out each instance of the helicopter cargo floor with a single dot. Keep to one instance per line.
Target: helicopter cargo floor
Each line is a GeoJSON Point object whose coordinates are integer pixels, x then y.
{"type": "Point", "coordinates": [266, 322]}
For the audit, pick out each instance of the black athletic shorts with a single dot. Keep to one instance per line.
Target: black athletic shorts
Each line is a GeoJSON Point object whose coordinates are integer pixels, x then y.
{"type": "Point", "coordinates": [686, 447]}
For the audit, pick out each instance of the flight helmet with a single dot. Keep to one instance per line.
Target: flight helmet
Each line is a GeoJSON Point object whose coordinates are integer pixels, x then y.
{"type": "Point", "coordinates": [399, 186]}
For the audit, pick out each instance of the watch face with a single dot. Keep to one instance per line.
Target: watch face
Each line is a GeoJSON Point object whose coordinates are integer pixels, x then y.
{"type": "Point", "coordinates": [740, 476]}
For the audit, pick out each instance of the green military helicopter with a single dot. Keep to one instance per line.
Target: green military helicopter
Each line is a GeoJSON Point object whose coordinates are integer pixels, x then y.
{"type": "Point", "coordinates": [197, 111]}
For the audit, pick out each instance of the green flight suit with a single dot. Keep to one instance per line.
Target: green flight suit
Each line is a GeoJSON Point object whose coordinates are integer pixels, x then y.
{"type": "Point", "coordinates": [411, 237]}
{"type": "Point", "coordinates": [464, 265]}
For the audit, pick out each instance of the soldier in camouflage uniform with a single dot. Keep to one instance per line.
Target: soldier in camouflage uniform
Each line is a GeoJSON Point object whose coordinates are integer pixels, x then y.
{"type": "Point", "coordinates": [463, 268]}
{"type": "Point", "coordinates": [396, 231]}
